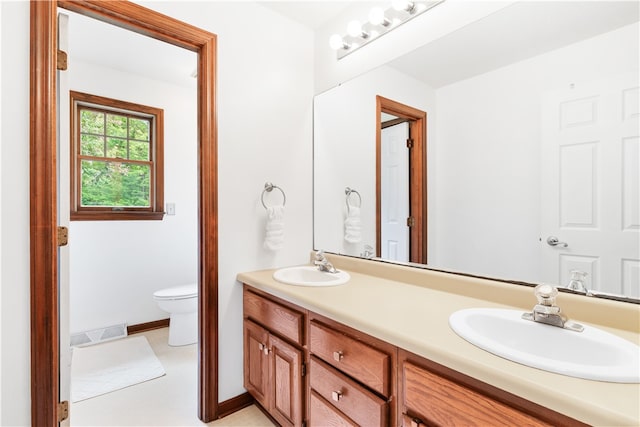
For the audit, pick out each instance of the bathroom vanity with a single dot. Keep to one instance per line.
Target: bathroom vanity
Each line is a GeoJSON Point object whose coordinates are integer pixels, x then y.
{"type": "Point", "coordinates": [379, 351]}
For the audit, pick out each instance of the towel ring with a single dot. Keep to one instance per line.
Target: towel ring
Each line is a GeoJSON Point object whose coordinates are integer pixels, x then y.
{"type": "Point", "coordinates": [348, 191]}
{"type": "Point", "coordinates": [268, 187]}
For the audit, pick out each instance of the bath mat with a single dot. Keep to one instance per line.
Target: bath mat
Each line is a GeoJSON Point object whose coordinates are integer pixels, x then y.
{"type": "Point", "coordinates": [103, 368]}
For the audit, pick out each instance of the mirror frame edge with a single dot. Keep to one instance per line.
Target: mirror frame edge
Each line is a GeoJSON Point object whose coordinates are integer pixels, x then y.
{"type": "Point", "coordinates": [44, 315]}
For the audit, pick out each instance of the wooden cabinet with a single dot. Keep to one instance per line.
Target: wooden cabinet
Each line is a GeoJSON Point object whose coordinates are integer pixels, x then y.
{"type": "Point", "coordinates": [433, 395]}
{"type": "Point", "coordinates": [354, 379]}
{"type": "Point", "coordinates": [273, 364]}
{"type": "Point", "coordinates": [350, 376]}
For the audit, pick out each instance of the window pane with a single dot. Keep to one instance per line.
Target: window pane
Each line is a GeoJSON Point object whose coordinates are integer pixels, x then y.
{"type": "Point", "coordinates": [91, 122]}
{"type": "Point", "coordinates": [117, 148]}
{"type": "Point", "coordinates": [115, 184]}
{"type": "Point", "coordinates": [138, 150]}
{"type": "Point", "coordinates": [139, 129]}
{"type": "Point", "coordinates": [116, 125]}
{"type": "Point", "coordinates": [91, 145]}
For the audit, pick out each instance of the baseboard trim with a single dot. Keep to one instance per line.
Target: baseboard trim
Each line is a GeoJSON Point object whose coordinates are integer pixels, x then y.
{"type": "Point", "coordinates": [148, 326]}
{"type": "Point", "coordinates": [234, 404]}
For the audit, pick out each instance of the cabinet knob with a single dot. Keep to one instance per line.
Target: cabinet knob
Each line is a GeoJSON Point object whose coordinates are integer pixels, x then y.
{"type": "Point", "coordinates": [261, 346]}
{"type": "Point", "coordinates": [337, 355]}
{"type": "Point", "coordinates": [266, 350]}
{"type": "Point", "coordinates": [336, 395]}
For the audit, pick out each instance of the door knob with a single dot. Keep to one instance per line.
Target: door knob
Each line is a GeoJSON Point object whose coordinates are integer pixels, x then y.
{"type": "Point", "coordinates": [553, 241]}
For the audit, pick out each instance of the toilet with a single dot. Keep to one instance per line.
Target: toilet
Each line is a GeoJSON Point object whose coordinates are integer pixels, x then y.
{"type": "Point", "coordinates": [181, 302]}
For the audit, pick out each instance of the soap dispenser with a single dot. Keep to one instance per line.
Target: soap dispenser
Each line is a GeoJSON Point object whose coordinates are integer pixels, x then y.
{"type": "Point", "coordinates": [577, 281]}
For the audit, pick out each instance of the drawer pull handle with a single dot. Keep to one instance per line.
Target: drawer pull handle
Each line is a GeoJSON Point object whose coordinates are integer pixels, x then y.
{"type": "Point", "coordinates": [415, 422]}
{"type": "Point", "coordinates": [336, 395]}
{"type": "Point", "coordinates": [337, 356]}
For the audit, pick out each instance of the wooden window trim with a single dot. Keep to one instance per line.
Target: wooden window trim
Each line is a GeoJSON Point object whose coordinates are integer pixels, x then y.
{"type": "Point", "coordinates": [100, 103]}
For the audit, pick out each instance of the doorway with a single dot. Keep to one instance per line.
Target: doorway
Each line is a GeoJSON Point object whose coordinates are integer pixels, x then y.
{"type": "Point", "coordinates": [416, 143]}
{"type": "Point", "coordinates": [45, 392]}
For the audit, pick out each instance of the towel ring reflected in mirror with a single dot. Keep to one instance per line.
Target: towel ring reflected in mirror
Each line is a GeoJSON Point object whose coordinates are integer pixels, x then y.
{"type": "Point", "coordinates": [348, 191]}
{"type": "Point", "coordinates": [268, 187]}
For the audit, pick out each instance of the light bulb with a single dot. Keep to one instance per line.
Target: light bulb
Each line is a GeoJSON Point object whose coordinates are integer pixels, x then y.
{"type": "Point", "coordinates": [354, 29]}
{"type": "Point", "coordinates": [405, 5]}
{"type": "Point", "coordinates": [336, 42]}
{"type": "Point", "coordinates": [376, 17]}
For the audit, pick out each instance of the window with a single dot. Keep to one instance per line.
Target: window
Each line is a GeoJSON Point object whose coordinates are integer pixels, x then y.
{"type": "Point", "coordinates": [116, 159]}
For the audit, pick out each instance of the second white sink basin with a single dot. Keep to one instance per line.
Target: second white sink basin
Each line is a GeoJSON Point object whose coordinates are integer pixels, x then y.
{"type": "Point", "coordinates": [310, 276]}
{"type": "Point", "coordinates": [592, 354]}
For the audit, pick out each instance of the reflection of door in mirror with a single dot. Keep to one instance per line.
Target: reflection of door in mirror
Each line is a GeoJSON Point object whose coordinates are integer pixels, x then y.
{"type": "Point", "coordinates": [394, 184]}
{"type": "Point", "coordinates": [395, 223]}
{"type": "Point", "coordinates": [590, 185]}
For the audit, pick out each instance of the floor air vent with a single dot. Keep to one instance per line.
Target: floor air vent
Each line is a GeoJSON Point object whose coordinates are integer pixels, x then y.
{"type": "Point", "coordinates": [96, 336]}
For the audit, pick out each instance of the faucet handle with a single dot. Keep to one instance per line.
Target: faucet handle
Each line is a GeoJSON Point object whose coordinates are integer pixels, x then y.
{"type": "Point", "coordinates": [546, 294]}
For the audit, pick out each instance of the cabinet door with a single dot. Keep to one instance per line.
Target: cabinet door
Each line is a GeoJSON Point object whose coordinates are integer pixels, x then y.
{"type": "Point", "coordinates": [256, 366]}
{"type": "Point", "coordinates": [286, 382]}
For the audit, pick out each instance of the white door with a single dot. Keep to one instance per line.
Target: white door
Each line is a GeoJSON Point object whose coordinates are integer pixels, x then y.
{"type": "Point", "coordinates": [395, 193]}
{"type": "Point", "coordinates": [591, 184]}
{"type": "Point", "coordinates": [63, 218]}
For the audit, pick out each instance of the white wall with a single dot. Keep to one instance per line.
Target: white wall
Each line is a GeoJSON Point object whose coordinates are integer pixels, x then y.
{"type": "Point", "coordinates": [345, 150]}
{"type": "Point", "coordinates": [117, 265]}
{"type": "Point", "coordinates": [14, 172]}
{"type": "Point", "coordinates": [442, 19]}
{"type": "Point", "coordinates": [496, 116]}
{"type": "Point", "coordinates": [0, 215]}
{"type": "Point", "coordinates": [265, 89]}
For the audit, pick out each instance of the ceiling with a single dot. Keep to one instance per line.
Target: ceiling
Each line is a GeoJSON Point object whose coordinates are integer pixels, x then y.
{"type": "Point", "coordinates": [311, 14]}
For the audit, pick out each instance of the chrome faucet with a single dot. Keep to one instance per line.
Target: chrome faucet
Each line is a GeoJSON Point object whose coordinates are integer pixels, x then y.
{"type": "Point", "coordinates": [323, 263]}
{"type": "Point", "coordinates": [368, 252]}
{"type": "Point", "coordinates": [577, 281]}
{"type": "Point", "coordinates": [547, 312]}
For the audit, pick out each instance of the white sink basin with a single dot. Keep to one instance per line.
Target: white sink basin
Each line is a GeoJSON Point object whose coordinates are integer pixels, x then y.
{"type": "Point", "coordinates": [592, 354]}
{"type": "Point", "coordinates": [310, 276]}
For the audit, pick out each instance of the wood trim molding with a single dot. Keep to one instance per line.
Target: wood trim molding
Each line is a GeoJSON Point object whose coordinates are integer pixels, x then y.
{"type": "Point", "coordinates": [43, 216]}
{"type": "Point", "coordinates": [43, 186]}
{"type": "Point", "coordinates": [147, 326]}
{"type": "Point", "coordinates": [235, 404]}
{"type": "Point", "coordinates": [417, 174]}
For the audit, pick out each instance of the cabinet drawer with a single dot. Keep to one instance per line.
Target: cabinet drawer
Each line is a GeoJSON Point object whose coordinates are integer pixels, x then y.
{"type": "Point", "coordinates": [364, 363]}
{"type": "Point", "coordinates": [322, 414]}
{"type": "Point", "coordinates": [430, 399]}
{"type": "Point", "coordinates": [349, 397]}
{"type": "Point", "coordinates": [282, 320]}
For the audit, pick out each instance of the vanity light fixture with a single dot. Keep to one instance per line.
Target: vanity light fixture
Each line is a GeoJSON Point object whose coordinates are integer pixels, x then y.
{"type": "Point", "coordinates": [407, 6]}
{"type": "Point", "coordinates": [378, 17]}
{"type": "Point", "coordinates": [380, 22]}
{"type": "Point", "coordinates": [354, 29]}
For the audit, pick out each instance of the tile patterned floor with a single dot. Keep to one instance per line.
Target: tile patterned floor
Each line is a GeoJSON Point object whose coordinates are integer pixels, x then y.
{"type": "Point", "coordinates": [167, 401]}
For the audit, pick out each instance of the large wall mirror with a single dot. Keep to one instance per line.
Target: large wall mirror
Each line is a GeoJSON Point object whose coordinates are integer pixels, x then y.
{"type": "Point", "coordinates": [532, 148]}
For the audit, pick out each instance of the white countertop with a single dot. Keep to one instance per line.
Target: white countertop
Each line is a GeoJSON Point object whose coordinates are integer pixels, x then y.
{"type": "Point", "coordinates": [415, 317]}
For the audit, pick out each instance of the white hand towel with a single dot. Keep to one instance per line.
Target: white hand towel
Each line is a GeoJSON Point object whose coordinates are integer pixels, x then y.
{"type": "Point", "coordinates": [274, 230]}
{"type": "Point", "coordinates": [353, 225]}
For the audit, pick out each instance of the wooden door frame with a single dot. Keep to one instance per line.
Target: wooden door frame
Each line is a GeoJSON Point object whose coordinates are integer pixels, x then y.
{"type": "Point", "coordinates": [417, 175]}
{"type": "Point", "coordinates": [45, 379]}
